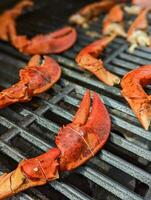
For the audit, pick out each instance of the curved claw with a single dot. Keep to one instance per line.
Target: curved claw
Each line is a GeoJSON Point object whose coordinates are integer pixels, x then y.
{"type": "Point", "coordinates": [137, 31]}
{"type": "Point", "coordinates": [79, 142]}
{"type": "Point", "coordinates": [7, 19]}
{"type": "Point", "coordinates": [87, 59]}
{"type": "Point", "coordinates": [132, 89]}
{"type": "Point", "coordinates": [83, 111]}
{"type": "Point", "coordinates": [90, 11]}
{"type": "Point", "coordinates": [113, 22]}
{"type": "Point", "coordinates": [40, 77]}
{"type": "Point", "coordinates": [55, 42]}
{"type": "Point", "coordinates": [34, 79]}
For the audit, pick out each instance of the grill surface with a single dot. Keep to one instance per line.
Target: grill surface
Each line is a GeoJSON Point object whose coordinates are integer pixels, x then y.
{"type": "Point", "coordinates": [122, 169]}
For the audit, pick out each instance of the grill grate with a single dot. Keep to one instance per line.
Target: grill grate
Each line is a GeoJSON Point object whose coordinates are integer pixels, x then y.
{"type": "Point", "coordinates": [29, 129]}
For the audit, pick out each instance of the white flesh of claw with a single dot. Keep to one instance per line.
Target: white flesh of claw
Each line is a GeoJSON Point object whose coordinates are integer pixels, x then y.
{"type": "Point", "coordinates": [132, 10]}
{"type": "Point", "coordinates": [138, 38]}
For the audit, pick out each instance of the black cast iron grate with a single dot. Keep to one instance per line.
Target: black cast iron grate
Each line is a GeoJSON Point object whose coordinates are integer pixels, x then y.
{"type": "Point", "coordinates": [122, 169]}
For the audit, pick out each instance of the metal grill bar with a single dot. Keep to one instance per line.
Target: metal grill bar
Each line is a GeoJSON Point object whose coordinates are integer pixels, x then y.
{"type": "Point", "coordinates": [113, 187]}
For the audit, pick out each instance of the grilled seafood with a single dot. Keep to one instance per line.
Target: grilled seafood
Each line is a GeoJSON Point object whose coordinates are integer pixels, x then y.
{"type": "Point", "coordinates": [29, 173]}
{"type": "Point", "coordinates": [132, 89]}
{"type": "Point", "coordinates": [7, 19]}
{"type": "Point", "coordinates": [55, 42]}
{"type": "Point", "coordinates": [137, 35]}
{"type": "Point", "coordinates": [113, 22]}
{"type": "Point", "coordinates": [88, 56]}
{"type": "Point", "coordinates": [76, 143]}
{"type": "Point", "coordinates": [88, 59]}
{"type": "Point", "coordinates": [86, 134]}
{"type": "Point", "coordinates": [34, 79]}
{"type": "Point", "coordinates": [90, 11]}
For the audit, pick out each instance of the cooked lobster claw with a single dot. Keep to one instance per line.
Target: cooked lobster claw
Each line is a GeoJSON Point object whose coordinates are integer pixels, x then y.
{"type": "Point", "coordinates": [84, 137]}
{"type": "Point", "coordinates": [90, 11]}
{"type": "Point", "coordinates": [35, 78]}
{"type": "Point", "coordinates": [55, 42]}
{"type": "Point", "coordinates": [132, 89]}
{"type": "Point", "coordinates": [113, 22]}
{"type": "Point", "coordinates": [7, 19]}
{"type": "Point", "coordinates": [88, 59]}
{"type": "Point", "coordinates": [137, 35]}
{"type": "Point", "coordinates": [30, 173]}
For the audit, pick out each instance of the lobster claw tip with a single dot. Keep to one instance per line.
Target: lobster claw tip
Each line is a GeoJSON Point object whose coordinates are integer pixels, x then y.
{"type": "Point", "coordinates": [83, 111]}
{"type": "Point", "coordinates": [35, 60]}
{"type": "Point", "coordinates": [132, 90]}
{"type": "Point", "coordinates": [41, 74]}
{"type": "Point", "coordinates": [99, 118]}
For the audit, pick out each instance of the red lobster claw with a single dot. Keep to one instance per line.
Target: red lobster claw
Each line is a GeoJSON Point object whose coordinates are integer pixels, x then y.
{"type": "Point", "coordinates": [88, 132]}
{"type": "Point", "coordinates": [7, 19]}
{"type": "Point", "coordinates": [88, 59]}
{"type": "Point", "coordinates": [113, 22]}
{"type": "Point", "coordinates": [90, 11]}
{"type": "Point", "coordinates": [35, 78]}
{"type": "Point", "coordinates": [132, 89]}
{"type": "Point", "coordinates": [137, 33]}
{"type": "Point", "coordinates": [55, 42]}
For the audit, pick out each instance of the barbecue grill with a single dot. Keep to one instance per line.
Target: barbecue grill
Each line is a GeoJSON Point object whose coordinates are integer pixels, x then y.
{"type": "Point", "coordinates": [121, 170]}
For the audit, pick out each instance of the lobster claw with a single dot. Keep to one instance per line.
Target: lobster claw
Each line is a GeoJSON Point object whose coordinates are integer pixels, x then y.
{"type": "Point", "coordinates": [88, 58]}
{"type": "Point", "coordinates": [132, 90]}
{"type": "Point", "coordinates": [40, 77]}
{"type": "Point", "coordinates": [35, 78]}
{"type": "Point", "coordinates": [7, 19]}
{"type": "Point", "coordinates": [113, 22]}
{"type": "Point", "coordinates": [88, 132]}
{"type": "Point", "coordinates": [55, 42]}
{"type": "Point", "coordinates": [137, 34]}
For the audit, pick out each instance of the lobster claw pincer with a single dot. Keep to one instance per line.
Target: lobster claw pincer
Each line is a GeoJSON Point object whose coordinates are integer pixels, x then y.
{"type": "Point", "coordinates": [132, 90]}
{"type": "Point", "coordinates": [88, 58]}
{"type": "Point", "coordinates": [81, 139]}
{"type": "Point", "coordinates": [35, 78]}
{"type": "Point", "coordinates": [40, 76]}
{"type": "Point", "coordinates": [55, 42]}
